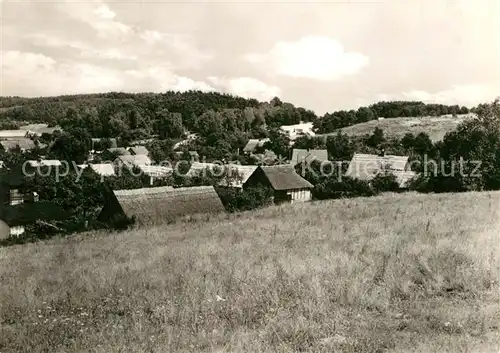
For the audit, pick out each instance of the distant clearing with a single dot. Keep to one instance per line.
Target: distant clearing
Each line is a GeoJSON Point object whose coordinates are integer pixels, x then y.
{"type": "Point", "coordinates": [435, 127]}
{"type": "Point", "coordinates": [396, 273]}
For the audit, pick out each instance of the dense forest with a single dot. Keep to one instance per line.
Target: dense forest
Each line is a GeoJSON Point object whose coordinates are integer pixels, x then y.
{"type": "Point", "coordinates": [222, 123]}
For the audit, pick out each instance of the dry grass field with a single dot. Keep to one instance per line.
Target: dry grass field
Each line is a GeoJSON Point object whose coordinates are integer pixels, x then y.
{"type": "Point", "coordinates": [435, 127]}
{"type": "Point", "coordinates": [395, 273]}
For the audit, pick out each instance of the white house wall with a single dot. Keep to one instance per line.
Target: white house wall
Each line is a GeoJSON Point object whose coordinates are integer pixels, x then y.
{"type": "Point", "coordinates": [303, 195]}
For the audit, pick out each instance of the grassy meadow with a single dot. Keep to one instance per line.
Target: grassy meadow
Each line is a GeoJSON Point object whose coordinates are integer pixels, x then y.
{"type": "Point", "coordinates": [435, 127]}
{"type": "Point", "coordinates": [395, 273]}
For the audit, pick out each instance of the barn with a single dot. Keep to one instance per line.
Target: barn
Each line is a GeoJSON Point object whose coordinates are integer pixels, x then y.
{"type": "Point", "coordinates": [288, 186]}
{"type": "Point", "coordinates": [160, 205]}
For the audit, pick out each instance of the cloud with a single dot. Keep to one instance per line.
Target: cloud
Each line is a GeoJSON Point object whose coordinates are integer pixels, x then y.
{"type": "Point", "coordinates": [247, 87]}
{"type": "Point", "coordinates": [97, 15]}
{"type": "Point", "coordinates": [84, 50]}
{"type": "Point", "coordinates": [313, 57]}
{"type": "Point", "coordinates": [46, 76]}
{"type": "Point", "coordinates": [470, 95]}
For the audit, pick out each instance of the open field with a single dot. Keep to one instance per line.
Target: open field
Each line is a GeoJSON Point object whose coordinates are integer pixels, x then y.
{"type": "Point", "coordinates": [435, 127]}
{"type": "Point", "coordinates": [396, 273]}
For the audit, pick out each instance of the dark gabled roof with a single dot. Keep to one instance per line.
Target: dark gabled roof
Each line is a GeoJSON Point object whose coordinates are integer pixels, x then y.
{"type": "Point", "coordinates": [28, 213]}
{"type": "Point", "coordinates": [156, 205]}
{"type": "Point", "coordinates": [284, 177]}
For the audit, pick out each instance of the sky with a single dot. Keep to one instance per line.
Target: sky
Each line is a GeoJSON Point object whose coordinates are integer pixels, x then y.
{"type": "Point", "coordinates": [324, 56]}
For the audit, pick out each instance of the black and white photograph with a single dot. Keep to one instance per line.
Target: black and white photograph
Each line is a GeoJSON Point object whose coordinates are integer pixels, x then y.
{"type": "Point", "coordinates": [249, 176]}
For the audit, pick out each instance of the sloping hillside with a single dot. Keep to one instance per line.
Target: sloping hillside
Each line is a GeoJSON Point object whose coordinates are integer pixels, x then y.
{"type": "Point", "coordinates": [435, 127]}
{"type": "Point", "coordinates": [398, 273]}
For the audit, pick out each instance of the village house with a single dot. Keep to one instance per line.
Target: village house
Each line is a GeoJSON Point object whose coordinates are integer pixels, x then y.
{"type": "Point", "coordinates": [307, 156]}
{"type": "Point", "coordinates": [160, 205]}
{"type": "Point", "coordinates": [236, 175]}
{"type": "Point", "coordinates": [253, 144]}
{"type": "Point", "coordinates": [102, 169]}
{"type": "Point", "coordinates": [155, 172]}
{"type": "Point", "coordinates": [119, 151]}
{"type": "Point", "coordinates": [22, 143]}
{"type": "Point", "coordinates": [198, 168]}
{"type": "Point", "coordinates": [19, 209]}
{"type": "Point", "coordinates": [297, 130]}
{"type": "Point", "coordinates": [13, 134]}
{"type": "Point", "coordinates": [131, 161]}
{"type": "Point", "coordinates": [367, 166]}
{"type": "Point", "coordinates": [39, 129]}
{"type": "Point", "coordinates": [288, 186]}
{"type": "Point", "coordinates": [15, 218]}
{"type": "Point", "coordinates": [138, 150]}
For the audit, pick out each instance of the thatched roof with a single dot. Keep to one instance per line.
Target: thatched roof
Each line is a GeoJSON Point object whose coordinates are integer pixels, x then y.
{"type": "Point", "coordinates": [368, 166]}
{"type": "Point", "coordinates": [28, 213]}
{"type": "Point", "coordinates": [307, 156]}
{"type": "Point", "coordinates": [156, 205]}
{"type": "Point", "coordinates": [284, 177]}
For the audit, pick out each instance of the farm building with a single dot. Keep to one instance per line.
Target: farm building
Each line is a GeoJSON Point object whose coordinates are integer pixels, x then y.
{"type": "Point", "coordinates": [14, 218]}
{"type": "Point", "coordinates": [103, 169]}
{"type": "Point", "coordinates": [198, 168]}
{"type": "Point", "coordinates": [307, 156]}
{"type": "Point", "coordinates": [161, 204]}
{"type": "Point", "coordinates": [11, 182]}
{"type": "Point", "coordinates": [253, 144]}
{"type": "Point", "coordinates": [297, 130]}
{"type": "Point", "coordinates": [120, 151]}
{"type": "Point", "coordinates": [23, 143]}
{"type": "Point", "coordinates": [237, 175]}
{"type": "Point", "coordinates": [288, 186]}
{"type": "Point", "coordinates": [39, 129]}
{"type": "Point", "coordinates": [367, 166]}
{"type": "Point", "coordinates": [155, 172]}
{"type": "Point", "coordinates": [13, 134]}
{"type": "Point", "coordinates": [132, 161]}
{"type": "Point", "coordinates": [138, 150]}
